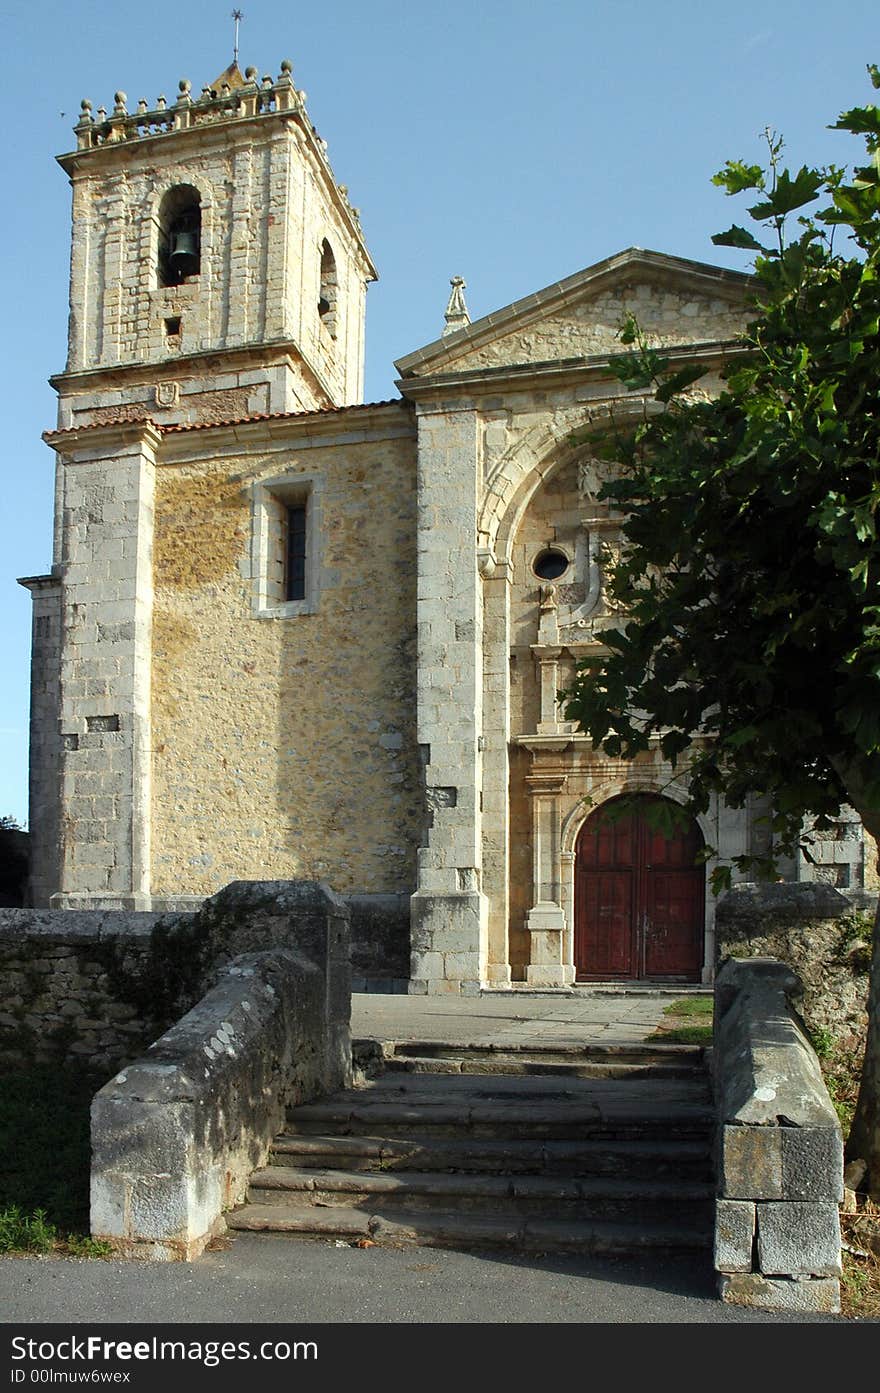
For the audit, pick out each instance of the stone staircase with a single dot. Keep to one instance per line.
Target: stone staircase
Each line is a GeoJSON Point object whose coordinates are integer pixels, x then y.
{"type": "Point", "coordinates": [559, 1148]}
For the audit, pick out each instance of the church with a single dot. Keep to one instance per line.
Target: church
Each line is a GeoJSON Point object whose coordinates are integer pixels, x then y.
{"type": "Point", "coordinates": [291, 635]}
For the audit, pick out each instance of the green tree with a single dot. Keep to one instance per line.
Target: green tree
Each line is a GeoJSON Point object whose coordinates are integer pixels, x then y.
{"type": "Point", "coordinates": [749, 581]}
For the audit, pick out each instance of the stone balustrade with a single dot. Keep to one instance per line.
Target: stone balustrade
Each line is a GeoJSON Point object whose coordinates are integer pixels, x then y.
{"type": "Point", "coordinates": [779, 1148]}
{"type": "Point", "coordinates": [176, 1135]}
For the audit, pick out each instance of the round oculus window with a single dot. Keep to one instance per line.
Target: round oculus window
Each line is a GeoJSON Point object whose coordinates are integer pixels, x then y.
{"type": "Point", "coordinates": [550, 565]}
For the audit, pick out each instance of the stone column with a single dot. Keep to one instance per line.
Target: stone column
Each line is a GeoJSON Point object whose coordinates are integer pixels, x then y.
{"type": "Point", "coordinates": [106, 615]}
{"type": "Point", "coordinates": [239, 316]}
{"type": "Point", "coordinates": [546, 919]}
{"type": "Point", "coordinates": [449, 910]}
{"type": "Point", "coordinates": [112, 288]}
{"type": "Point", "coordinates": [496, 764]}
{"type": "Point", "coordinates": [280, 253]}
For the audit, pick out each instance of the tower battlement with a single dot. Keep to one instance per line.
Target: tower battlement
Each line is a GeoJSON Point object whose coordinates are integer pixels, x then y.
{"type": "Point", "coordinates": [233, 96]}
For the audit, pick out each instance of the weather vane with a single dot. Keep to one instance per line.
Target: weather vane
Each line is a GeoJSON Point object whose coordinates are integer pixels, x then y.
{"type": "Point", "coordinates": [238, 17]}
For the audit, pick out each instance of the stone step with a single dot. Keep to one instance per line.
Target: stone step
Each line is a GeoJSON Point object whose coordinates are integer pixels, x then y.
{"type": "Point", "coordinates": [572, 1198]}
{"type": "Point", "coordinates": [615, 1116]}
{"type": "Point", "coordinates": [439, 1228]}
{"type": "Point", "coordinates": [499, 1064]}
{"type": "Point", "coordinates": [525, 1090]}
{"type": "Point", "coordinates": [374, 1057]}
{"type": "Point", "coordinates": [653, 1049]}
{"type": "Point", "coordinates": [688, 1159]}
{"type": "Point", "coordinates": [551, 1052]}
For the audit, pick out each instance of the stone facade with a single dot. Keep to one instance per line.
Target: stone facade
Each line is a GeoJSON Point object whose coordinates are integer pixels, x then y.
{"type": "Point", "coordinates": [392, 723]}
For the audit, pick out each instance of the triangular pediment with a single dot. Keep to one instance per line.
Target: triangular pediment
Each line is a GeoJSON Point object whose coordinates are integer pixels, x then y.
{"type": "Point", "coordinates": [676, 301]}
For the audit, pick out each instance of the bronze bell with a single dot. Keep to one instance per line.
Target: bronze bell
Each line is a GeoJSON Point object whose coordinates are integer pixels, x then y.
{"type": "Point", "coordinates": [184, 256]}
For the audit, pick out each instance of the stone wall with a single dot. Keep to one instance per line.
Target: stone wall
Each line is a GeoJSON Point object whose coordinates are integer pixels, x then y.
{"type": "Point", "coordinates": [90, 987]}
{"type": "Point", "coordinates": [284, 744]}
{"type": "Point", "coordinates": [44, 785]}
{"type": "Point", "coordinates": [98, 987]}
{"type": "Point", "coordinates": [819, 933]}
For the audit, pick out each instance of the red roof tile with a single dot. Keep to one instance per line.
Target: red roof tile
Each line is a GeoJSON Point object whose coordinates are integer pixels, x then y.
{"type": "Point", "coordinates": [235, 421]}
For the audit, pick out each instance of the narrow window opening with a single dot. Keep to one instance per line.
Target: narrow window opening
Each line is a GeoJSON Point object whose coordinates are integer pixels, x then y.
{"type": "Point", "coordinates": [295, 553]}
{"type": "Point", "coordinates": [329, 286]}
{"type": "Point", "coordinates": [180, 235]}
{"type": "Point", "coordinates": [172, 328]}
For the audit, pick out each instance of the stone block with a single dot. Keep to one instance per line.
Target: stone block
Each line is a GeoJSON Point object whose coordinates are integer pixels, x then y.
{"type": "Point", "coordinates": [546, 975]}
{"type": "Point", "coordinates": [796, 1238]}
{"type": "Point", "coordinates": [461, 967]}
{"type": "Point", "coordinates": [427, 964]}
{"type": "Point", "coordinates": [734, 1235]}
{"type": "Point", "coordinates": [751, 1163]}
{"type": "Point", "coordinates": [812, 1163]}
{"type": "Point", "coordinates": [820, 1295]}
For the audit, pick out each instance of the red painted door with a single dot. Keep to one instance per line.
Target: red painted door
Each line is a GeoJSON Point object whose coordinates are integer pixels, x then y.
{"type": "Point", "coordinates": [639, 899]}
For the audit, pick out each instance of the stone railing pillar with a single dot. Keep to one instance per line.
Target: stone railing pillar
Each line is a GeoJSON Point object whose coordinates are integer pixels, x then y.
{"type": "Point", "coordinates": [779, 1148]}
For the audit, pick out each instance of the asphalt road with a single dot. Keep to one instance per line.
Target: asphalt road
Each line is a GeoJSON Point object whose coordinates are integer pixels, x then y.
{"type": "Point", "coordinates": [271, 1278]}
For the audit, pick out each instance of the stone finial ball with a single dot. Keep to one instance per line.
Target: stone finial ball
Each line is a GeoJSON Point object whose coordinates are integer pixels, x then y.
{"type": "Point", "coordinates": [120, 98]}
{"type": "Point", "coordinates": [85, 104]}
{"type": "Point", "coordinates": [286, 65]}
{"type": "Point", "coordinates": [250, 74]}
{"type": "Point", "coordinates": [184, 85]}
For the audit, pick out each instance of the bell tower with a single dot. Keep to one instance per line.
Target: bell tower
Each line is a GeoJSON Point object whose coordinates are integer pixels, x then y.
{"type": "Point", "coordinates": [217, 269]}
{"type": "Point", "coordinates": [218, 273]}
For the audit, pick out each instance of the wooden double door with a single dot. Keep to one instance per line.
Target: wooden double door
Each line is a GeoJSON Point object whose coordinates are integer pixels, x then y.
{"type": "Point", "coordinates": [639, 897]}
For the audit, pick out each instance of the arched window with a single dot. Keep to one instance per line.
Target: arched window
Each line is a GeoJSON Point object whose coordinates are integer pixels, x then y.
{"type": "Point", "coordinates": [180, 235]}
{"type": "Point", "coordinates": [329, 288]}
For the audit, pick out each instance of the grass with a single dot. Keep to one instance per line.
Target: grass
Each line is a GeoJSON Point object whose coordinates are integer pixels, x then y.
{"type": "Point", "coordinates": [860, 1280]}
{"type": "Point", "coordinates": [688, 1021]}
{"type": "Point", "coordinates": [690, 1006]}
{"type": "Point", "coordinates": [841, 1059]}
{"type": "Point", "coordinates": [44, 1161]}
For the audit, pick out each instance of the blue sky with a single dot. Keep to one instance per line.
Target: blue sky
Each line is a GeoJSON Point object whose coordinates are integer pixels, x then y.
{"type": "Point", "coordinates": [508, 142]}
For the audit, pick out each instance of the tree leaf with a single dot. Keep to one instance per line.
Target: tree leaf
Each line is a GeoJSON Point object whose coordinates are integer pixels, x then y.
{"type": "Point", "coordinates": [789, 194]}
{"type": "Point", "coordinates": [736, 177]}
{"type": "Point", "coordinates": [678, 382]}
{"type": "Point", "coordinates": [738, 237]}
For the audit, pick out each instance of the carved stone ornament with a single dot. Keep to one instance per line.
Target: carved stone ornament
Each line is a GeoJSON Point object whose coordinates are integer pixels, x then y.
{"type": "Point", "coordinates": [167, 394]}
{"type": "Point", "coordinates": [592, 474]}
{"type": "Point", "coordinates": [486, 563]}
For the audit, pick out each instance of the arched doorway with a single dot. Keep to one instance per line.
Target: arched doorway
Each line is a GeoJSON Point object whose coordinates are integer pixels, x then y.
{"type": "Point", "coordinates": [639, 897]}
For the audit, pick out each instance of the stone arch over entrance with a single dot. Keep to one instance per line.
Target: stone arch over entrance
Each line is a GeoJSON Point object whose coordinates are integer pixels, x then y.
{"type": "Point", "coordinates": [530, 462]}
{"type": "Point", "coordinates": [639, 894]}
